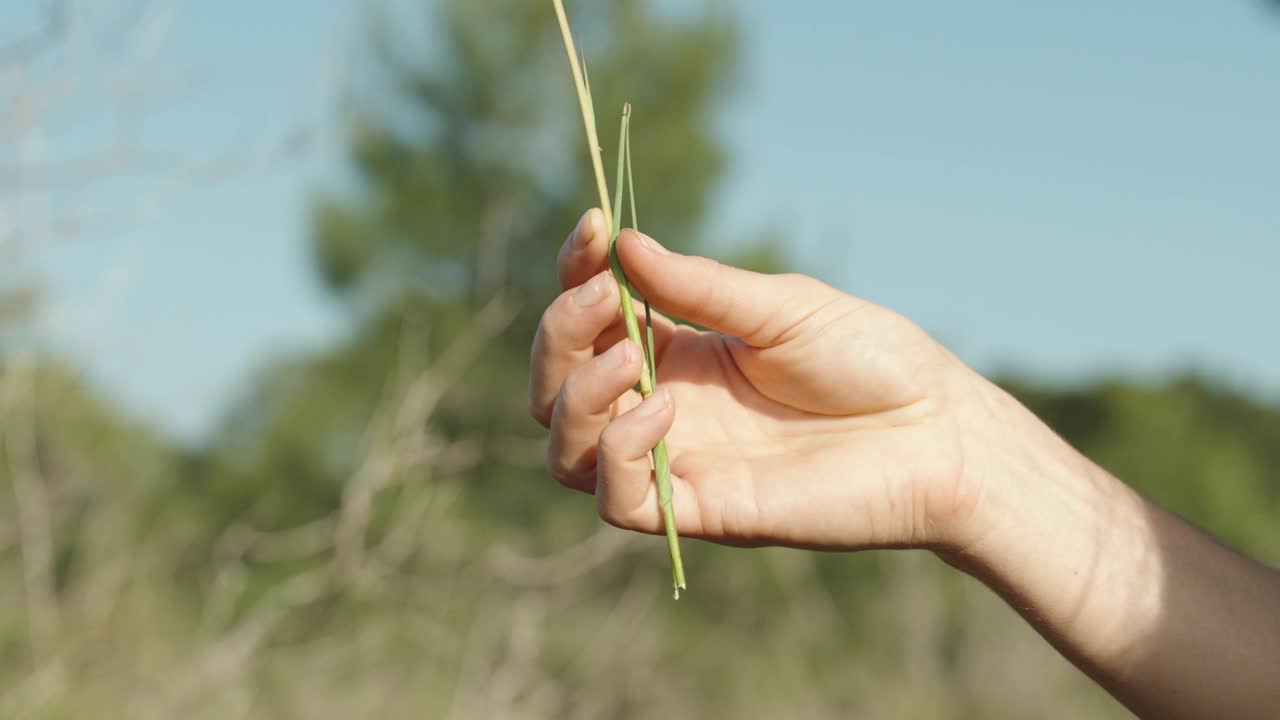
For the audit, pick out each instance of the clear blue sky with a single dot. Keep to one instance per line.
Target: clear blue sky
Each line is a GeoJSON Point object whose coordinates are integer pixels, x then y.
{"type": "Point", "coordinates": [1062, 189]}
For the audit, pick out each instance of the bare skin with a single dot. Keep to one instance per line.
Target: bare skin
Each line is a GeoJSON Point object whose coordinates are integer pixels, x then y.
{"type": "Point", "coordinates": [810, 418]}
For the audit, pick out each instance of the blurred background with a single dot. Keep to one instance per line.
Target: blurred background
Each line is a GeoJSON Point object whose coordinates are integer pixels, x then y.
{"type": "Point", "coordinates": [269, 274]}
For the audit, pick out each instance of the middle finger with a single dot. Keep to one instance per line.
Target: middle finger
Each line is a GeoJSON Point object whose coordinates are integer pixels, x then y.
{"type": "Point", "coordinates": [583, 408]}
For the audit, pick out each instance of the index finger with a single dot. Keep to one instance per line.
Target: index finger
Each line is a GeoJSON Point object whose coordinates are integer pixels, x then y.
{"type": "Point", "coordinates": [585, 252]}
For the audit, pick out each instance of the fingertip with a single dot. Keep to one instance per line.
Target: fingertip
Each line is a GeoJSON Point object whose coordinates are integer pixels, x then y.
{"type": "Point", "coordinates": [635, 244]}
{"type": "Point", "coordinates": [594, 291]}
{"type": "Point", "coordinates": [583, 253]}
{"type": "Point", "coordinates": [633, 434]}
{"type": "Point", "coordinates": [648, 263]}
{"type": "Point", "coordinates": [655, 405]}
{"type": "Point", "coordinates": [622, 354]}
{"type": "Point", "coordinates": [755, 307]}
{"type": "Point", "coordinates": [590, 227]}
{"type": "Point", "coordinates": [648, 244]}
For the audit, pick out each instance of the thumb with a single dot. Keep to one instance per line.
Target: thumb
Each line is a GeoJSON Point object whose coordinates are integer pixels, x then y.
{"type": "Point", "coordinates": [755, 307]}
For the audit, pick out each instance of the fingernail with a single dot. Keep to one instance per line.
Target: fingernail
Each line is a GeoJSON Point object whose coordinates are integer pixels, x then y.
{"type": "Point", "coordinates": [616, 356]}
{"type": "Point", "coordinates": [652, 245]}
{"type": "Point", "coordinates": [654, 404]}
{"type": "Point", "coordinates": [585, 232]}
{"type": "Point", "coordinates": [596, 289]}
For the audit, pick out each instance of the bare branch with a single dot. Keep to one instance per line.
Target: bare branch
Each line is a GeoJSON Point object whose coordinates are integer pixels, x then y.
{"type": "Point", "coordinates": [568, 564]}
{"type": "Point", "coordinates": [408, 447]}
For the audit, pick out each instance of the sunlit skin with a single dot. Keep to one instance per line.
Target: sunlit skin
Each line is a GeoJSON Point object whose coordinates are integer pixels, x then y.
{"type": "Point", "coordinates": [810, 418]}
{"type": "Point", "coordinates": [808, 407]}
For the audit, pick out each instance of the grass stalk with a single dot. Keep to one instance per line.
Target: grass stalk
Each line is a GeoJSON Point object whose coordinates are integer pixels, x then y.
{"type": "Point", "coordinates": [648, 375]}
{"type": "Point", "coordinates": [588, 111]}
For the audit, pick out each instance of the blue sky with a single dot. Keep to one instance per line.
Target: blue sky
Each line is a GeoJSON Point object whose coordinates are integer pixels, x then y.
{"type": "Point", "coordinates": [1063, 189]}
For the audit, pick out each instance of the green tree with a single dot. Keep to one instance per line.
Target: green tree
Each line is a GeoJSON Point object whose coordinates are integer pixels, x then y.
{"type": "Point", "coordinates": [468, 170]}
{"type": "Point", "coordinates": [473, 170]}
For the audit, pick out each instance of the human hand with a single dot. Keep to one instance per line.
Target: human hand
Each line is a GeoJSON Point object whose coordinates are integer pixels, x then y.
{"type": "Point", "coordinates": [814, 419]}
{"type": "Point", "coordinates": [810, 418]}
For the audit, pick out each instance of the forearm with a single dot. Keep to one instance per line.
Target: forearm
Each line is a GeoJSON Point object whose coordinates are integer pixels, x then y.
{"type": "Point", "coordinates": [1169, 621]}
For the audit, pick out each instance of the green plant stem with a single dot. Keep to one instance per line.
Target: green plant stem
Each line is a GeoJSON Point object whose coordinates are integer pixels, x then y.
{"type": "Point", "coordinates": [661, 463]}
{"type": "Point", "coordinates": [588, 112]}
{"type": "Point", "coordinates": [648, 375]}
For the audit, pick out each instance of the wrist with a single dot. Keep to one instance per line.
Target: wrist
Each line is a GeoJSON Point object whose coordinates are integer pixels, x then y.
{"type": "Point", "coordinates": [1131, 594]}
{"type": "Point", "coordinates": [1056, 536]}
{"type": "Point", "coordinates": [1017, 472]}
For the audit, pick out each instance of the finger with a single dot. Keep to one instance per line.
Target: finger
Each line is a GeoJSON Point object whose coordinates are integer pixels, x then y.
{"type": "Point", "coordinates": [585, 252]}
{"type": "Point", "coordinates": [566, 339]}
{"type": "Point", "coordinates": [582, 410]}
{"type": "Point", "coordinates": [624, 481]}
{"type": "Point", "coordinates": [760, 309]}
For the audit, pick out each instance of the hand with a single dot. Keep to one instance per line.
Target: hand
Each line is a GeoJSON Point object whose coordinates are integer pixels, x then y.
{"type": "Point", "coordinates": [814, 419]}
{"type": "Point", "coordinates": [810, 418]}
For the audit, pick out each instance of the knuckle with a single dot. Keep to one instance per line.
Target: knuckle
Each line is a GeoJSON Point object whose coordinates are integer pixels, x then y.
{"type": "Point", "coordinates": [572, 393]}
{"type": "Point", "coordinates": [607, 514]}
{"type": "Point", "coordinates": [553, 325]}
{"type": "Point", "coordinates": [540, 414]}
{"type": "Point", "coordinates": [544, 325]}
{"type": "Point", "coordinates": [611, 513]}
{"type": "Point", "coordinates": [553, 315]}
{"type": "Point", "coordinates": [611, 445]}
{"type": "Point", "coordinates": [557, 468]}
